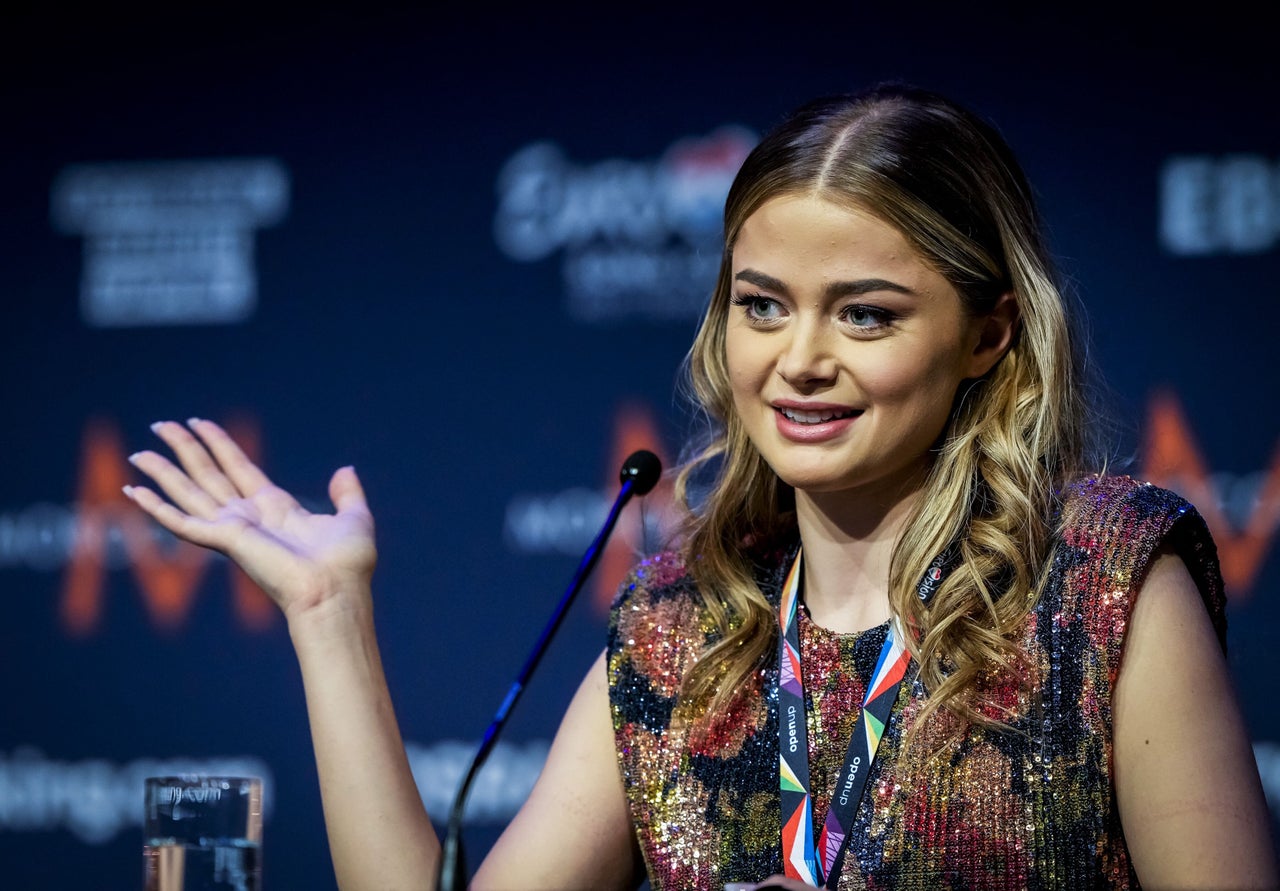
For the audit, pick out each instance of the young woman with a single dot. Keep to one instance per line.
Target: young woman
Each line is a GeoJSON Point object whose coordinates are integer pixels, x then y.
{"type": "Point", "coordinates": [901, 505]}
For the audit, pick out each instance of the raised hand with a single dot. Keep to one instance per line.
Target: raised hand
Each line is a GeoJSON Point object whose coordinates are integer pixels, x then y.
{"type": "Point", "coordinates": [221, 500]}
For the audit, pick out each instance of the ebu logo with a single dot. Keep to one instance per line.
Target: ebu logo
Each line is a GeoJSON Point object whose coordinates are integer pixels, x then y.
{"type": "Point", "coordinates": [1227, 205]}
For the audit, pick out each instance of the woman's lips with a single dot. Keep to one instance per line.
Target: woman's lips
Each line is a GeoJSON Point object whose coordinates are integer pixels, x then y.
{"type": "Point", "coordinates": [814, 424]}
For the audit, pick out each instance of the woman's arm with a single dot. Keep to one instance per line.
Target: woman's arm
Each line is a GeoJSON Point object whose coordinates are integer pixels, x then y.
{"type": "Point", "coordinates": [317, 568]}
{"type": "Point", "coordinates": [575, 830]}
{"type": "Point", "coordinates": [380, 836]}
{"type": "Point", "coordinates": [1190, 799]}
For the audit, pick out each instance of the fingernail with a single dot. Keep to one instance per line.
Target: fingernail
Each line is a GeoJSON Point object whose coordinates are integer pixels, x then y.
{"type": "Point", "coordinates": [128, 492]}
{"type": "Point", "coordinates": [133, 459]}
{"type": "Point", "coordinates": [191, 422]}
{"type": "Point", "coordinates": [155, 428]}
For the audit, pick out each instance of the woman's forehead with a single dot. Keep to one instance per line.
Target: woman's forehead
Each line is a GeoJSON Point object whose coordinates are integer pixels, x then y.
{"type": "Point", "coordinates": [809, 233]}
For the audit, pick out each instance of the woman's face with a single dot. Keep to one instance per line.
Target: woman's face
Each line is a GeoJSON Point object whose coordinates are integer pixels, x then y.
{"type": "Point", "coordinates": [844, 349]}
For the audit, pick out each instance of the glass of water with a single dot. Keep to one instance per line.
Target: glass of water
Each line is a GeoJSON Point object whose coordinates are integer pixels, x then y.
{"type": "Point", "coordinates": [203, 833]}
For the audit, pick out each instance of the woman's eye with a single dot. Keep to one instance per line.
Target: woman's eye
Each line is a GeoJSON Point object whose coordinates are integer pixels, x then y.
{"type": "Point", "coordinates": [758, 307]}
{"type": "Point", "coordinates": [867, 317]}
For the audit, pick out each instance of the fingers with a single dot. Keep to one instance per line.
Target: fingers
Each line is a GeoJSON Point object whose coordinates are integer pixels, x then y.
{"type": "Point", "coordinates": [243, 473]}
{"type": "Point", "coordinates": [196, 461]}
{"type": "Point", "coordinates": [193, 529]}
{"type": "Point", "coordinates": [347, 494]}
{"type": "Point", "coordinates": [188, 496]}
{"type": "Point", "coordinates": [211, 473]}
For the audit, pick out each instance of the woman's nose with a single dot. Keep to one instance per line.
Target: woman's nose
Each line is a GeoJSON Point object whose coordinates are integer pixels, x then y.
{"type": "Point", "coordinates": [806, 359]}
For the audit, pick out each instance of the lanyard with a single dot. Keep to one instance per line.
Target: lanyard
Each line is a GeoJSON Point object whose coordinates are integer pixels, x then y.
{"type": "Point", "coordinates": [801, 859]}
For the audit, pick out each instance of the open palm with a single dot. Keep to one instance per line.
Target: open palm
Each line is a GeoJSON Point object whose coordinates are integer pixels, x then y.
{"type": "Point", "coordinates": [221, 500]}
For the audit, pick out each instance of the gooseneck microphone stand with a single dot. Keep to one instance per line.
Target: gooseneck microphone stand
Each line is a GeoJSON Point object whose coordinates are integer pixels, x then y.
{"type": "Point", "coordinates": [639, 475]}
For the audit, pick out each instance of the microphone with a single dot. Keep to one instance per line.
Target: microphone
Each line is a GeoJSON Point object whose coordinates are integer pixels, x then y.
{"type": "Point", "coordinates": [638, 476]}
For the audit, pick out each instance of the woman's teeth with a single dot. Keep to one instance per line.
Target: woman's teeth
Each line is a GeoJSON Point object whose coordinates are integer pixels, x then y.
{"type": "Point", "coordinates": [815, 417]}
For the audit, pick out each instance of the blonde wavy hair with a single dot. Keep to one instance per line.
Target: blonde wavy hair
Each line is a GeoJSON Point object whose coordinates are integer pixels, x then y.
{"type": "Point", "coordinates": [948, 181]}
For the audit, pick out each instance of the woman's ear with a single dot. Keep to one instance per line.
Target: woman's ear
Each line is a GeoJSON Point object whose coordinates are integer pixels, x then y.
{"type": "Point", "coordinates": [996, 331]}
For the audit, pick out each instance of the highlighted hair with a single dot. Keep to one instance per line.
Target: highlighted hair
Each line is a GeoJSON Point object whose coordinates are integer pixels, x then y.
{"type": "Point", "coordinates": [950, 184]}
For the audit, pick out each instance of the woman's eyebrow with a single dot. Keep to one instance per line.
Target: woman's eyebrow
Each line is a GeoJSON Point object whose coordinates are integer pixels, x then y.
{"type": "Point", "coordinates": [834, 289]}
{"type": "Point", "coordinates": [760, 280]}
{"type": "Point", "coordinates": [865, 286]}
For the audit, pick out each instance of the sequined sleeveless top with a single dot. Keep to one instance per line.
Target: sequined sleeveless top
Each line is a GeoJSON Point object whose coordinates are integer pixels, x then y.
{"type": "Point", "coordinates": [1028, 807]}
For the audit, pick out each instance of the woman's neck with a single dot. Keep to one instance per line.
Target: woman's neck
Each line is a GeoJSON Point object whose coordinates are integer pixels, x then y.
{"type": "Point", "coordinates": [848, 547]}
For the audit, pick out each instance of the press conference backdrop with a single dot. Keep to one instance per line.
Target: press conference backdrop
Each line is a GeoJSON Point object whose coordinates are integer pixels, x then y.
{"type": "Point", "coordinates": [466, 252]}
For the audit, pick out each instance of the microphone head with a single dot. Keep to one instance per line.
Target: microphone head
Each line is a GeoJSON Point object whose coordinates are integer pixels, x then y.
{"type": "Point", "coordinates": [643, 469]}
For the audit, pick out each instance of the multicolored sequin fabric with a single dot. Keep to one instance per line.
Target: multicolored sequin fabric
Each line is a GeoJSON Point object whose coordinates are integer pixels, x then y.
{"type": "Point", "coordinates": [1028, 807]}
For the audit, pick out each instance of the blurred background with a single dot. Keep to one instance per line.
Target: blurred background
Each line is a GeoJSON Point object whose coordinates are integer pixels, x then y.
{"type": "Point", "coordinates": [465, 250]}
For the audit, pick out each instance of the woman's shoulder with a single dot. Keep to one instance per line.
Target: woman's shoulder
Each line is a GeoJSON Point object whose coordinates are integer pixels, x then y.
{"type": "Point", "coordinates": [1114, 507]}
{"type": "Point", "coordinates": [657, 598]}
{"type": "Point", "coordinates": [1111, 527]}
{"type": "Point", "coordinates": [668, 575]}
{"type": "Point", "coordinates": [660, 576]}
{"type": "Point", "coordinates": [658, 627]}
{"type": "Point", "coordinates": [1103, 493]}
{"type": "Point", "coordinates": [661, 598]}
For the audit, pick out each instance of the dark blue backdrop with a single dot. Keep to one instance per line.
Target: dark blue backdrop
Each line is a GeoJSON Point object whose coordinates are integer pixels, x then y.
{"type": "Point", "coordinates": [347, 264]}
